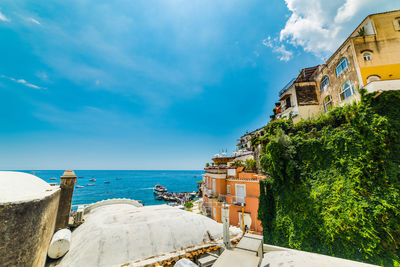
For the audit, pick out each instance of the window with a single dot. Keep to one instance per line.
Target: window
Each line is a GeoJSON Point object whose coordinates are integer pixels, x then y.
{"type": "Point", "coordinates": [328, 105]}
{"type": "Point", "coordinates": [288, 104]}
{"type": "Point", "coordinates": [240, 193]}
{"type": "Point", "coordinates": [367, 56]}
{"type": "Point", "coordinates": [214, 187]}
{"type": "Point", "coordinates": [346, 90]}
{"type": "Point", "coordinates": [228, 189]}
{"type": "Point", "coordinates": [342, 66]}
{"type": "Point", "coordinates": [396, 24]}
{"type": "Point", "coordinates": [324, 83]}
{"type": "Point", "coordinates": [373, 78]}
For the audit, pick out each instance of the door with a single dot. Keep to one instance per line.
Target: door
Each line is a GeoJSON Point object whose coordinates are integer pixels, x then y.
{"type": "Point", "coordinates": [247, 220]}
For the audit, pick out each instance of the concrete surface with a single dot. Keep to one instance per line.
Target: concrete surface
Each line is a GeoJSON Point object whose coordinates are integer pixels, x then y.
{"type": "Point", "coordinates": [28, 209]}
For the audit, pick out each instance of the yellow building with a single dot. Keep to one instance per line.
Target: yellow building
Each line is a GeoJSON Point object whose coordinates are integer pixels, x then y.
{"type": "Point", "coordinates": [369, 58]}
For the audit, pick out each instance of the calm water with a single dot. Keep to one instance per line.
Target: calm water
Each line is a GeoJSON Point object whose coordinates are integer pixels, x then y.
{"type": "Point", "coordinates": [132, 184]}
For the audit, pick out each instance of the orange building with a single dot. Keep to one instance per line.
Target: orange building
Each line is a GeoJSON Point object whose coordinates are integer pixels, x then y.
{"type": "Point", "coordinates": [238, 189]}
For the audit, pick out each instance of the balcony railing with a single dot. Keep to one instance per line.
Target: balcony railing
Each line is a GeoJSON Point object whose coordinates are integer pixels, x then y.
{"type": "Point", "coordinates": [222, 198]}
{"type": "Point", "coordinates": [287, 86]}
{"type": "Point", "coordinates": [238, 201]}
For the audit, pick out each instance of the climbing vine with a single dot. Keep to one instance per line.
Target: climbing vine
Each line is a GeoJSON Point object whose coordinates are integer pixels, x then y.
{"type": "Point", "coordinates": [334, 182]}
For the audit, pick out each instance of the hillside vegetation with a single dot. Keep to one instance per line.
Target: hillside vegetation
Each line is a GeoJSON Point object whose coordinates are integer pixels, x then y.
{"type": "Point", "coordinates": [334, 185]}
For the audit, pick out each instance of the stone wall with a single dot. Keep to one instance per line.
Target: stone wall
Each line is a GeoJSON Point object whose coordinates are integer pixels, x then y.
{"type": "Point", "coordinates": [26, 229]}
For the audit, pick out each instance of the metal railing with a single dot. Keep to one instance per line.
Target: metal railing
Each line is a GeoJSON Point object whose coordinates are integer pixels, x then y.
{"type": "Point", "coordinates": [286, 86]}
{"type": "Point", "coordinates": [206, 208]}
{"type": "Point", "coordinates": [222, 198]}
{"type": "Point", "coordinates": [238, 200]}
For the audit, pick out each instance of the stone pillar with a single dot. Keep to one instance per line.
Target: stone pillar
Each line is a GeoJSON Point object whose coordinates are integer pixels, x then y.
{"type": "Point", "coordinates": [225, 221]}
{"type": "Point", "coordinates": [67, 185]}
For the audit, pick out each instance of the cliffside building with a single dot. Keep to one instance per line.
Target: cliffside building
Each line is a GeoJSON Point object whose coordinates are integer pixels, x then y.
{"type": "Point", "coordinates": [233, 187]}
{"type": "Point", "coordinates": [369, 58]}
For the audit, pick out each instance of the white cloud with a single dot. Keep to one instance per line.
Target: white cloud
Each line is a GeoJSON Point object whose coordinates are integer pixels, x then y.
{"type": "Point", "coordinates": [3, 17]}
{"type": "Point", "coordinates": [319, 26]}
{"type": "Point", "coordinates": [23, 82]}
{"type": "Point", "coordinates": [278, 48]}
{"type": "Point", "coordinates": [34, 21]}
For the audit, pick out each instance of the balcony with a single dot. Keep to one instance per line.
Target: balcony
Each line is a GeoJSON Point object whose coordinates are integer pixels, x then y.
{"type": "Point", "coordinates": [216, 170]}
{"type": "Point", "coordinates": [206, 209]}
{"type": "Point", "coordinates": [221, 198]}
{"type": "Point", "coordinates": [287, 86]}
{"type": "Point", "coordinates": [383, 85]}
{"type": "Point", "coordinates": [238, 201]}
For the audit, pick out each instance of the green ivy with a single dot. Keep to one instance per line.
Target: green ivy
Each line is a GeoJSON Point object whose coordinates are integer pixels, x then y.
{"type": "Point", "coordinates": [334, 185]}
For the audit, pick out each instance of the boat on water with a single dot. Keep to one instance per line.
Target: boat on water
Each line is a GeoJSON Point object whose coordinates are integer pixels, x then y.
{"type": "Point", "coordinates": [159, 189]}
{"type": "Point", "coordinates": [79, 186]}
{"type": "Point", "coordinates": [90, 184]}
{"type": "Point", "coordinates": [92, 180]}
{"type": "Point", "coordinates": [53, 178]}
{"type": "Point", "coordinates": [117, 178]}
{"type": "Point", "coordinates": [106, 182]}
{"type": "Point", "coordinates": [80, 177]}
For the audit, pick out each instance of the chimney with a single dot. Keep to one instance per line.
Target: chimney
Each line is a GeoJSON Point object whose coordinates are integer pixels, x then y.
{"type": "Point", "coordinates": [67, 185]}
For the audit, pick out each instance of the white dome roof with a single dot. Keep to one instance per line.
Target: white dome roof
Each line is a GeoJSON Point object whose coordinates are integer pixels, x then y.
{"type": "Point", "coordinates": [21, 186]}
{"type": "Point", "coordinates": [116, 234]}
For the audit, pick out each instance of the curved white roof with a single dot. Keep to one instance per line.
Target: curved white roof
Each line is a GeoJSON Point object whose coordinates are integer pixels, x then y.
{"type": "Point", "coordinates": [21, 186]}
{"type": "Point", "coordinates": [120, 233]}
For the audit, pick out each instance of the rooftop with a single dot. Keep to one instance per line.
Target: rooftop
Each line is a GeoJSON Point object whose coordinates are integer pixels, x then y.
{"type": "Point", "coordinates": [121, 233]}
{"type": "Point", "coordinates": [21, 186]}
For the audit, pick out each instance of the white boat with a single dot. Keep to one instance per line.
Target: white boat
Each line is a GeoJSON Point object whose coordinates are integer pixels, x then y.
{"type": "Point", "coordinates": [159, 189]}
{"type": "Point", "coordinates": [79, 186]}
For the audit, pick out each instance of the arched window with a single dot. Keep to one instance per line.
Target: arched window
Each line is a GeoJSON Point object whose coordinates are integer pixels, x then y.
{"type": "Point", "coordinates": [324, 83]}
{"type": "Point", "coordinates": [328, 105]}
{"type": "Point", "coordinates": [373, 78]}
{"type": "Point", "coordinates": [342, 66]}
{"type": "Point", "coordinates": [367, 56]}
{"type": "Point", "coordinates": [346, 90]}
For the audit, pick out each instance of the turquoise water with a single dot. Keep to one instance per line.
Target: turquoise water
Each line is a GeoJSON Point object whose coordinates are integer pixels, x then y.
{"type": "Point", "coordinates": [132, 184]}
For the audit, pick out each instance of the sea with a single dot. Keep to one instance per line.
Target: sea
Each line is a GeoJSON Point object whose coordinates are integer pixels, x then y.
{"type": "Point", "coordinates": [134, 184]}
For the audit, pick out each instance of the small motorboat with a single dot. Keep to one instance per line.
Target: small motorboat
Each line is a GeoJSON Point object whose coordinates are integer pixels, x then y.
{"type": "Point", "coordinates": [53, 178]}
{"type": "Point", "coordinates": [80, 177]}
{"type": "Point", "coordinates": [90, 184]}
{"type": "Point", "coordinates": [79, 186]}
{"type": "Point", "coordinates": [106, 182]}
{"type": "Point", "coordinates": [159, 189]}
{"type": "Point", "coordinates": [117, 178]}
{"type": "Point", "coordinates": [92, 180]}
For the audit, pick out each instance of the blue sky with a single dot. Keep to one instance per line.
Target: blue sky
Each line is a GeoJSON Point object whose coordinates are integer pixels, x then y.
{"type": "Point", "coordinates": [91, 84]}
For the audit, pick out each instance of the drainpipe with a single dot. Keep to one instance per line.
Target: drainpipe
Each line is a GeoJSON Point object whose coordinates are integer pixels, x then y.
{"type": "Point", "coordinates": [243, 218]}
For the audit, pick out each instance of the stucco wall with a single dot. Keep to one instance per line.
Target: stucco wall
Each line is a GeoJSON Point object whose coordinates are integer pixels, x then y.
{"type": "Point", "coordinates": [335, 83]}
{"type": "Point", "coordinates": [384, 48]}
{"type": "Point", "coordinates": [307, 112]}
{"type": "Point", "coordinates": [252, 202]}
{"type": "Point", "coordinates": [26, 229]}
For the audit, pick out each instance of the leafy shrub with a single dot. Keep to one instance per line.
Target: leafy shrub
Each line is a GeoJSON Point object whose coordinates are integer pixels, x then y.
{"type": "Point", "coordinates": [188, 205]}
{"type": "Point", "coordinates": [334, 185]}
{"type": "Point", "coordinates": [251, 164]}
{"type": "Point", "coordinates": [238, 163]}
